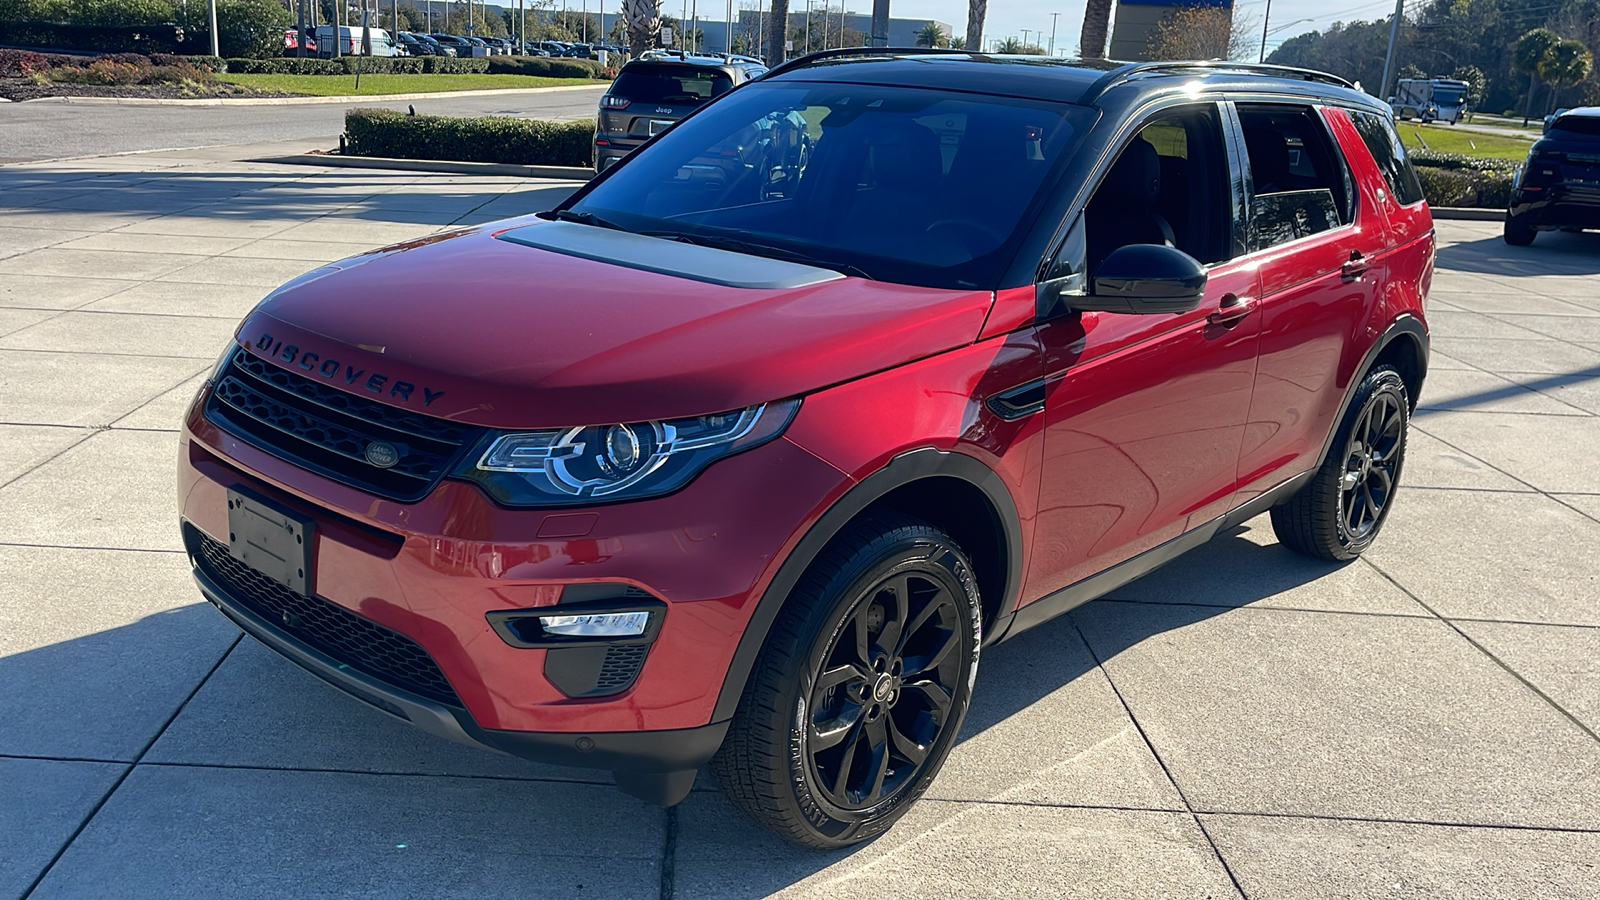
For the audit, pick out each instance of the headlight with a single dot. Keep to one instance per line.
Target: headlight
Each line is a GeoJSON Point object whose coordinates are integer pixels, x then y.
{"type": "Point", "coordinates": [626, 461]}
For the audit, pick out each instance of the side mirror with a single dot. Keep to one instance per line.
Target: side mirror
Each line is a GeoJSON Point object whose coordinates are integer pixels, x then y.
{"type": "Point", "coordinates": [1146, 279]}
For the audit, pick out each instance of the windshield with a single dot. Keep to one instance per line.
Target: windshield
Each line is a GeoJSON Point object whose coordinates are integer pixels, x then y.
{"type": "Point", "coordinates": [670, 84]}
{"type": "Point", "coordinates": [1448, 96]}
{"type": "Point", "coordinates": [897, 184]}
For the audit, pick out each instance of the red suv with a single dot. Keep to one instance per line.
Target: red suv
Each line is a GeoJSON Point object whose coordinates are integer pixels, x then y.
{"type": "Point", "coordinates": [728, 465]}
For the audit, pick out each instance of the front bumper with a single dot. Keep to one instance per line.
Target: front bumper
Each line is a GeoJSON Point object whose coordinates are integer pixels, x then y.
{"type": "Point", "coordinates": [432, 571]}
{"type": "Point", "coordinates": [627, 751]}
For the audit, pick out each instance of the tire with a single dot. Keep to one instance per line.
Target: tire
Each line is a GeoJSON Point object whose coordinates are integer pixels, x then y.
{"type": "Point", "coordinates": [1338, 514]}
{"type": "Point", "coordinates": [1518, 233]}
{"type": "Point", "coordinates": [820, 787]}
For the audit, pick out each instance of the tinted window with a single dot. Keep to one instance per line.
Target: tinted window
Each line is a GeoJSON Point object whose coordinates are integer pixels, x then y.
{"type": "Point", "coordinates": [1169, 185]}
{"type": "Point", "coordinates": [670, 84]}
{"type": "Point", "coordinates": [902, 184]}
{"type": "Point", "coordinates": [1589, 126]}
{"type": "Point", "coordinates": [1390, 155]}
{"type": "Point", "coordinates": [1299, 182]}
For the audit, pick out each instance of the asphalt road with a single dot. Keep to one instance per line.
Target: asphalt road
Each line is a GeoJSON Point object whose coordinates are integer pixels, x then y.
{"type": "Point", "coordinates": [52, 130]}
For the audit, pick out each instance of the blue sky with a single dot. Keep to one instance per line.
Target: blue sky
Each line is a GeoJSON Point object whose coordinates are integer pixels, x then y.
{"type": "Point", "coordinates": [1007, 18]}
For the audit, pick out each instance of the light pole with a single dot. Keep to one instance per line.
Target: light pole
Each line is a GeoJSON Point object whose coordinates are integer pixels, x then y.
{"type": "Point", "coordinates": [214, 50]}
{"type": "Point", "coordinates": [1265, 20]}
{"type": "Point", "coordinates": [1053, 17]}
{"type": "Point", "coordinates": [1388, 58]}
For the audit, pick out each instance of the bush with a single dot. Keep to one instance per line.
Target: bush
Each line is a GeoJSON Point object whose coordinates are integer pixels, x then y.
{"type": "Point", "coordinates": [1435, 159]}
{"type": "Point", "coordinates": [545, 67]}
{"type": "Point", "coordinates": [346, 65]}
{"type": "Point", "coordinates": [101, 71]}
{"type": "Point", "coordinates": [1463, 187]}
{"type": "Point", "coordinates": [495, 139]}
{"type": "Point", "coordinates": [251, 28]}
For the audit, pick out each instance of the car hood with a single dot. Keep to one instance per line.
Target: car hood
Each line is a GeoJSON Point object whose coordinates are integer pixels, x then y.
{"type": "Point", "coordinates": [507, 332]}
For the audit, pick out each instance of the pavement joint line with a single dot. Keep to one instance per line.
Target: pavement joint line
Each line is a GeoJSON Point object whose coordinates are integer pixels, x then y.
{"type": "Point", "coordinates": [101, 352]}
{"type": "Point", "coordinates": [1268, 814]}
{"type": "Point", "coordinates": [90, 547]}
{"type": "Point", "coordinates": [89, 432]}
{"type": "Point", "coordinates": [1530, 487]}
{"type": "Point", "coordinates": [1215, 850]}
{"type": "Point", "coordinates": [116, 785]}
{"type": "Point", "coordinates": [83, 759]}
{"type": "Point", "coordinates": [1470, 490]}
{"type": "Point", "coordinates": [669, 856]}
{"type": "Point", "coordinates": [1486, 652]}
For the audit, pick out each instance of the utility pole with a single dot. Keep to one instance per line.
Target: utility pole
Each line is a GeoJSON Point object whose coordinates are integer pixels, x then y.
{"type": "Point", "coordinates": [214, 50]}
{"type": "Point", "coordinates": [1265, 20]}
{"type": "Point", "coordinates": [1388, 58]}
{"type": "Point", "coordinates": [1024, 40]}
{"type": "Point", "coordinates": [1053, 17]}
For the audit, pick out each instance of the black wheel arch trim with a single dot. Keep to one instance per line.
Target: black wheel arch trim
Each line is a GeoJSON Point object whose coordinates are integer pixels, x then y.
{"type": "Point", "coordinates": [1405, 324]}
{"type": "Point", "coordinates": [908, 467]}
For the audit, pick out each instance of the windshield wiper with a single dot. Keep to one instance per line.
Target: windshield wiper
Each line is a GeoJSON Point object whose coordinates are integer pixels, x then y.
{"type": "Point", "coordinates": [756, 248]}
{"type": "Point", "coordinates": [583, 218]}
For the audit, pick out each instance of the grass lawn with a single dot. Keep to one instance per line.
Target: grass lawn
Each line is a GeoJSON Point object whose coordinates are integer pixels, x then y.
{"type": "Point", "coordinates": [345, 85]}
{"type": "Point", "coordinates": [1473, 143]}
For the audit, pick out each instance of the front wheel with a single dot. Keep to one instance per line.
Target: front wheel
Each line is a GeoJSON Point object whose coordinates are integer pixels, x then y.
{"type": "Point", "coordinates": [1339, 512]}
{"type": "Point", "coordinates": [860, 692]}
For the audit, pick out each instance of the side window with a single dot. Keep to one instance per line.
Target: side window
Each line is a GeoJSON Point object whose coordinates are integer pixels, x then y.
{"type": "Point", "coordinates": [1390, 155]}
{"type": "Point", "coordinates": [1169, 185]}
{"type": "Point", "coordinates": [1300, 185]}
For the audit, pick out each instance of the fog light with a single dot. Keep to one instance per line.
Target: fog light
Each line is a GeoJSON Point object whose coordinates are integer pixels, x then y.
{"type": "Point", "coordinates": [628, 624]}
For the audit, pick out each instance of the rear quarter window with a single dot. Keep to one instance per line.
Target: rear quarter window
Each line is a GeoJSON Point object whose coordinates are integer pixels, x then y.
{"type": "Point", "coordinates": [1383, 142]}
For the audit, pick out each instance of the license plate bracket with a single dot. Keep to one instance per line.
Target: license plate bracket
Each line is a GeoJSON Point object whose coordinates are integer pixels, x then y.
{"type": "Point", "coordinates": [655, 126]}
{"type": "Point", "coordinates": [270, 539]}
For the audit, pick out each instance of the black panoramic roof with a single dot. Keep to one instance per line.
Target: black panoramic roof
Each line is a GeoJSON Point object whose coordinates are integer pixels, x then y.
{"type": "Point", "coordinates": [1082, 81]}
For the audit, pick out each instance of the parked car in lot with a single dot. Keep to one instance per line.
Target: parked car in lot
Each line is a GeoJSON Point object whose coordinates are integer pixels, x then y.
{"type": "Point", "coordinates": [1558, 186]}
{"type": "Point", "coordinates": [292, 40]}
{"type": "Point", "coordinates": [459, 45]}
{"type": "Point", "coordinates": [422, 44]}
{"type": "Point", "coordinates": [651, 93]}
{"type": "Point", "coordinates": [684, 471]}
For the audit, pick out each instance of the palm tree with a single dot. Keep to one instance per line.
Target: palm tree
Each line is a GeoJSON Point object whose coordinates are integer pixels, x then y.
{"type": "Point", "coordinates": [1529, 52]}
{"type": "Point", "coordinates": [1567, 62]}
{"type": "Point", "coordinates": [956, 43]}
{"type": "Point", "coordinates": [976, 10]}
{"type": "Point", "coordinates": [1009, 45]}
{"type": "Point", "coordinates": [1096, 21]}
{"type": "Point", "coordinates": [777, 31]}
{"type": "Point", "coordinates": [931, 36]}
{"type": "Point", "coordinates": [643, 20]}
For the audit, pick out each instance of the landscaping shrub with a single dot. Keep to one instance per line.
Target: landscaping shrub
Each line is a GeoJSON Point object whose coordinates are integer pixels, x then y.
{"type": "Point", "coordinates": [1463, 187]}
{"type": "Point", "coordinates": [346, 65]}
{"type": "Point", "coordinates": [252, 28]}
{"type": "Point", "coordinates": [495, 139]}
{"type": "Point", "coordinates": [1438, 160]}
{"type": "Point", "coordinates": [543, 66]}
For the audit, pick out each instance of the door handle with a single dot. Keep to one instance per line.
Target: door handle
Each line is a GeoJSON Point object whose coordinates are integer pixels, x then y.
{"type": "Point", "coordinates": [1355, 266]}
{"type": "Point", "coordinates": [1232, 310]}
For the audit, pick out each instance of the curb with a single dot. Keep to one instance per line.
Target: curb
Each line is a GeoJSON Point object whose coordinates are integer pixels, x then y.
{"type": "Point", "coordinates": [569, 173]}
{"type": "Point", "coordinates": [291, 101]}
{"type": "Point", "coordinates": [1468, 214]}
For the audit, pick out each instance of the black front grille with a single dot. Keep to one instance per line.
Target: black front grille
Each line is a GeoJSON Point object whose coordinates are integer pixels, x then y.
{"type": "Point", "coordinates": [359, 643]}
{"type": "Point", "coordinates": [329, 431]}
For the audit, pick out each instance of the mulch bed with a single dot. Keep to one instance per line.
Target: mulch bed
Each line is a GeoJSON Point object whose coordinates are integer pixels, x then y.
{"type": "Point", "coordinates": [23, 89]}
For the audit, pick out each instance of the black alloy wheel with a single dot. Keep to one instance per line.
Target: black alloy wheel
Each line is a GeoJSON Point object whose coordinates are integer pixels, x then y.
{"type": "Point", "coordinates": [1371, 466]}
{"type": "Point", "coordinates": [885, 688]}
{"type": "Point", "coordinates": [860, 691]}
{"type": "Point", "coordinates": [1338, 514]}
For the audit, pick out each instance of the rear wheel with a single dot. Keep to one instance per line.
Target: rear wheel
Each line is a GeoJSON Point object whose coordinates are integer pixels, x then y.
{"type": "Point", "coordinates": [1518, 232]}
{"type": "Point", "coordinates": [1339, 512]}
{"type": "Point", "coordinates": [858, 696]}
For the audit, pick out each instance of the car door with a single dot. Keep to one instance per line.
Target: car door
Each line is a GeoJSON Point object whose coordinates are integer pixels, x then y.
{"type": "Point", "coordinates": [1144, 414]}
{"type": "Point", "coordinates": [1314, 236]}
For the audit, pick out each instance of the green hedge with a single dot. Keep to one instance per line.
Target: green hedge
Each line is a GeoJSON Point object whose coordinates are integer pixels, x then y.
{"type": "Point", "coordinates": [370, 65]}
{"type": "Point", "coordinates": [1435, 159]}
{"type": "Point", "coordinates": [1465, 187]}
{"type": "Point", "coordinates": [250, 28]}
{"type": "Point", "coordinates": [494, 139]}
{"type": "Point", "coordinates": [545, 67]}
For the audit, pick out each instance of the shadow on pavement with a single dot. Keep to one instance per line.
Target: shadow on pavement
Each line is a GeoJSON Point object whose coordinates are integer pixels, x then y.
{"type": "Point", "coordinates": [1229, 572]}
{"type": "Point", "coordinates": [1552, 253]}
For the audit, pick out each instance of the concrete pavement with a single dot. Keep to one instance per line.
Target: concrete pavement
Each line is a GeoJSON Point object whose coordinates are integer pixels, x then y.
{"type": "Point", "coordinates": [1245, 722]}
{"type": "Point", "coordinates": [46, 130]}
